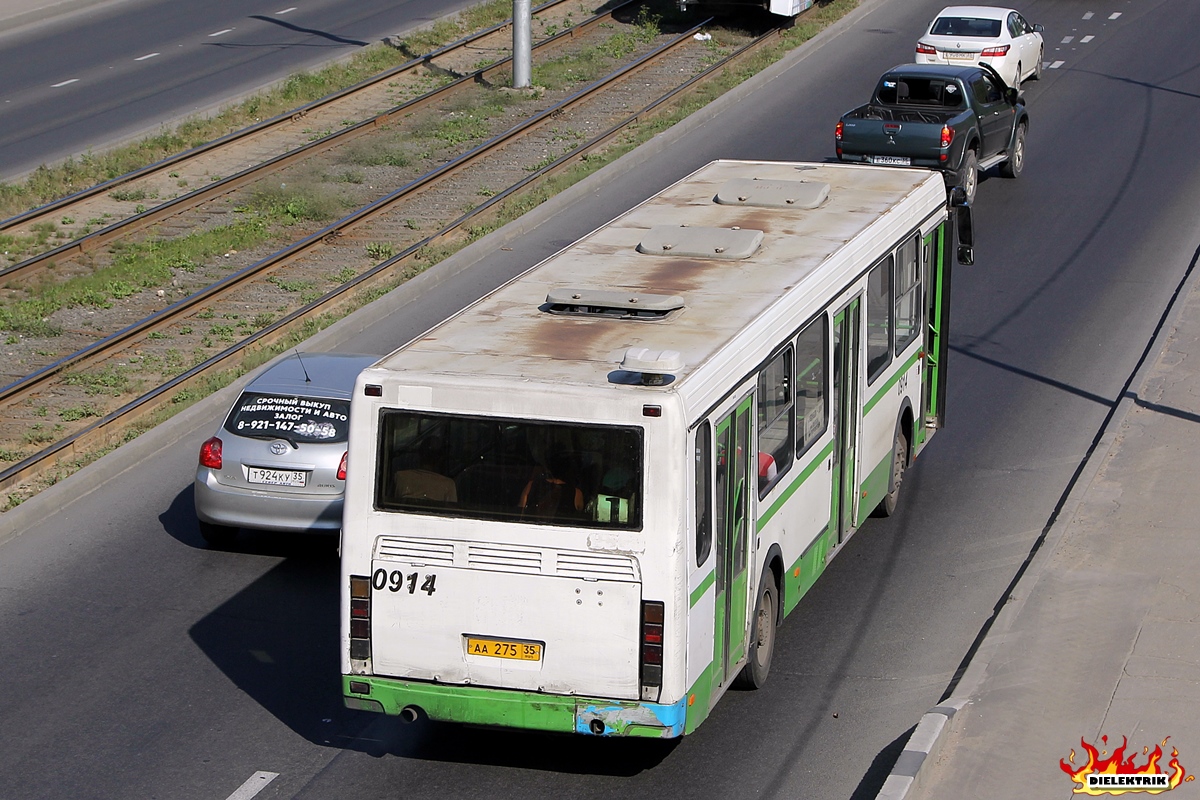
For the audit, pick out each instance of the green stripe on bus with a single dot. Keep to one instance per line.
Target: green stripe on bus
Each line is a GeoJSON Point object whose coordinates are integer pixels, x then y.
{"type": "Point", "coordinates": [891, 382]}
{"type": "Point", "coordinates": [794, 485]}
{"type": "Point", "coordinates": [702, 588]}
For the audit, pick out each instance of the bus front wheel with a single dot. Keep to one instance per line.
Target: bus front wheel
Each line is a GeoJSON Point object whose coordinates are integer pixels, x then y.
{"type": "Point", "coordinates": [762, 634]}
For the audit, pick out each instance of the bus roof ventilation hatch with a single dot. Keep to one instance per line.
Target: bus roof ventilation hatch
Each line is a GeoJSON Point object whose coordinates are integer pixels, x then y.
{"type": "Point", "coordinates": [681, 241]}
{"type": "Point", "coordinates": [614, 305]}
{"type": "Point", "coordinates": [773, 194]}
{"type": "Point", "coordinates": [655, 366]}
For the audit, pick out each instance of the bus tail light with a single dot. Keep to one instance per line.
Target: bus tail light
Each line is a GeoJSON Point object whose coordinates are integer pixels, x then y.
{"type": "Point", "coordinates": [995, 52]}
{"type": "Point", "coordinates": [360, 617]}
{"type": "Point", "coordinates": [652, 649]}
{"type": "Point", "coordinates": [210, 453]}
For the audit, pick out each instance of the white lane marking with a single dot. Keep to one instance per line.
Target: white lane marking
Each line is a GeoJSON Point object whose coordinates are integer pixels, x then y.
{"type": "Point", "coordinates": [286, 10]}
{"type": "Point", "coordinates": [1086, 39]}
{"type": "Point", "coordinates": [253, 785]}
{"type": "Point", "coordinates": [220, 33]}
{"type": "Point", "coordinates": [1057, 64]}
{"type": "Point", "coordinates": [147, 56]}
{"type": "Point", "coordinates": [1114, 15]}
{"type": "Point", "coordinates": [1088, 15]}
{"type": "Point", "coordinates": [1068, 39]}
{"type": "Point", "coordinates": [64, 83]}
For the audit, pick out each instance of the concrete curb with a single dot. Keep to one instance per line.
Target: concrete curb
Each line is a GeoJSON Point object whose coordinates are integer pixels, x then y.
{"type": "Point", "coordinates": [930, 733]}
{"type": "Point", "coordinates": [126, 457]}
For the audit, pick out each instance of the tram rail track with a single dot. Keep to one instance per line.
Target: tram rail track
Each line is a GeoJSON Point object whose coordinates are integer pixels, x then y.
{"type": "Point", "coordinates": [76, 205]}
{"type": "Point", "coordinates": [112, 427]}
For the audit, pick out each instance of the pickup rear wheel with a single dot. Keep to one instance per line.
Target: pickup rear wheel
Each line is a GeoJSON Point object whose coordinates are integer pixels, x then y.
{"type": "Point", "coordinates": [1016, 158]}
{"type": "Point", "coordinates": [968, 175]}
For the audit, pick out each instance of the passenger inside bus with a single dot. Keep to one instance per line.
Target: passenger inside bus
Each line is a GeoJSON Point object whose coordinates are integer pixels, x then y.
{"type": "Point", "coordinates": [551, 490]}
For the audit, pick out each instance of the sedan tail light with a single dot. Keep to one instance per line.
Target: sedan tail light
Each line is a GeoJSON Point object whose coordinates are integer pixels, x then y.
{"type": "Point", "coordinates": [926, 49]}
{"type": "Point", "coordinates": [992, 52]}
{"type": "Point", "coordinates": [210, 453]}
{"type": "Point", "coordinates": [341, 476]}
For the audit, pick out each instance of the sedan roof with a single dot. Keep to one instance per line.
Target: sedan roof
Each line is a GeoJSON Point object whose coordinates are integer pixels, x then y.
{"type": "Point", "coordinates": [314, 374]}
{"type": "Point", "coordinates": [979, 12]}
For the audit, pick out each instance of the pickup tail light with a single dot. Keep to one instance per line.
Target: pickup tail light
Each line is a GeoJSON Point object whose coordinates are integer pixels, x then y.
{"type": "Point", "coordinates": [341, 476]}
{"type": "Point", "coordinates": [360, 617]}
{"type": "Point", "coordinates": [947, 136]}
{"type": "Point", "coordinates": [652, 649]}
{"type": "Point", "coordinates": [837, 132]}
{"type": "Point", "coordinates": [210, 453]}
{"type": "Point", "coordinates": [994, 52]}
{"type": "Point", "coordinates": [926, 49]}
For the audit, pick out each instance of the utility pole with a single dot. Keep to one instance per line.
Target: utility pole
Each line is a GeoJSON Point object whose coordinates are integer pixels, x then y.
{"type": "Point", "coordinates": [522, 43]}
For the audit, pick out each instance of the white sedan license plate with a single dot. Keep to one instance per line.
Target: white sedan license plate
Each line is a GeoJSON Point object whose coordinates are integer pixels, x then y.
{"type": "Point", "coordinates": [953, 56]}
{"type": "Point", "coordinates": [276, 477]}
{"type": "Point", "coordinates": [896, 161]}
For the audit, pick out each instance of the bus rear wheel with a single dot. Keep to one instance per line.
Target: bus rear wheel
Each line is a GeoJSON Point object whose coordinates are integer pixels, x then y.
{"type": "Point", "coordinates": [762, 635]}
{"type": "Point", "coordinates": [887, 506]}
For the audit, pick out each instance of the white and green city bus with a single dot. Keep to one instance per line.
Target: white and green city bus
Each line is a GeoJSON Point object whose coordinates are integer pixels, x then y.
{"type": "Point", "coordinates": [586, 502]}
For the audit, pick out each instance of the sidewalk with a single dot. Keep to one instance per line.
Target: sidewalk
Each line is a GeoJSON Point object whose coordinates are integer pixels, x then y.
{"type": "Point", "coordinates": [1101, 635]}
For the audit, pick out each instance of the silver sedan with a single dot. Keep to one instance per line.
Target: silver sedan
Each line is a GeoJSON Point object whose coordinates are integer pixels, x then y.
{"type": "Point", "coordinates": [278, 462]}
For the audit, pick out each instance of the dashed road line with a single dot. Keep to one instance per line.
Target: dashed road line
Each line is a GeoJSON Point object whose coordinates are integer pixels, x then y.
{"type": "Point", "coordinates": [253, 785]}
{"type": "Point", "coordinates": [1114, 15]}
{"type": "Point", "coordinates": [286, 10]}
{"type": "Point", "coordinates": [220, 33]}
{"type": "Point", "coordinates": [1068, 39]}
{"type": "Point", "coordinates": [1086, 39]}
{"type": "Point", "coordinates": [1088, 15]}
{"type": "Point", "coordinates": [1057, 64]}
{"type": "Point", "coordinates": [147, 56]}
{"type": "Point", "coordinates": [64, 83]}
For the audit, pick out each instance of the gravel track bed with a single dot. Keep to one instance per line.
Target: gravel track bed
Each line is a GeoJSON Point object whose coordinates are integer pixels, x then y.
{"type": "Point", "coordinates": [338, 177]}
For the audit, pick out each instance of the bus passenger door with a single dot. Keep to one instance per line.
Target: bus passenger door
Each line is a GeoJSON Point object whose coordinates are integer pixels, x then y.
{"type": "Point", "coordinates": [732, 523]}
{"type": "Point", "coordinates": [937, 283]}
{"type": "Point", "coordinates": [844, 415]}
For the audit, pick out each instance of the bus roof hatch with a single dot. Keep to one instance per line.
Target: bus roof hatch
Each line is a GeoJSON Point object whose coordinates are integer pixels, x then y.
{"type": "Point", "coordinates": [773, 194]}
{"type": "Point", "coordinates": [682, 241]}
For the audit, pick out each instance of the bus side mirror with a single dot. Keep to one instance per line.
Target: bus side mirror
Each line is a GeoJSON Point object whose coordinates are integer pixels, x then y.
{"type": "Point", "coordinates": [964, 225]}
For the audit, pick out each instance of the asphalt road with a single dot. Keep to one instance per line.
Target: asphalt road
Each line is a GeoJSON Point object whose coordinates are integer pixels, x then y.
{"type": "Point", "coordinates": [136, 663]}
{"type": "Point", "coordinates": [84, 80]}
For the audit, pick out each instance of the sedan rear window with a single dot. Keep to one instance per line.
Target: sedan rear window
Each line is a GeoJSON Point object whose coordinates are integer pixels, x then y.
{"type": "Point", "coordinates": [296, 418]}
{"type": "Point", "coordinates": [966, 26]}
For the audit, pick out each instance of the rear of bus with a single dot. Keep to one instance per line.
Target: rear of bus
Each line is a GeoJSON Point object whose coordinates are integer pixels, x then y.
{"type": "Point", "coordinates": [500, 564]}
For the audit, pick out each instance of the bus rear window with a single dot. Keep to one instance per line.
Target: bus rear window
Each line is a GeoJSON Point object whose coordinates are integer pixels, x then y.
{"type": "Point", "coordinates": [514, 470]}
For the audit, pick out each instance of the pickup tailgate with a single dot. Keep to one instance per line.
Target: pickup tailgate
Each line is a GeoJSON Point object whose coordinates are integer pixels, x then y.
{"type": "Point", "coordinates": [893, 142]}
{"type": "Point", "coordinates": [513, 617]}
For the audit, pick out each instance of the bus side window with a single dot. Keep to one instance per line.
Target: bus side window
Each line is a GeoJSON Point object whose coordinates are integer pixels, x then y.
{"type": "Point", "coordinates": [908, 294]}
{"type": "Point", "coordinates": [879, 318]}
{"type": "Point", "coordinates": [775, 420]}
{"type": "Point", "coordinates": [812, 377]}
{"type": "Point", "coordinates": [703, 493]}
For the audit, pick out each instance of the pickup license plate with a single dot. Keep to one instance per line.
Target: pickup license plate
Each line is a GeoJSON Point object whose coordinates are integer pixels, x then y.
{"type": "Point", "coordinates": [896, 161]}
{"type": "Point", "coordinates": [276, 477]}
{"type": "Point", "coordinates": [504, 648]}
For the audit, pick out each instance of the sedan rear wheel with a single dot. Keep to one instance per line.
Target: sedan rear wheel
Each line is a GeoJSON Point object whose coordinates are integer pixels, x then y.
{"type": "Point", "coordinates": [217, 535]}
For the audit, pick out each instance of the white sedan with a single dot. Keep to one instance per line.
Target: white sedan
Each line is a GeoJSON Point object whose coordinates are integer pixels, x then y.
{"type": "Point", "coordinates": [1000, 37]}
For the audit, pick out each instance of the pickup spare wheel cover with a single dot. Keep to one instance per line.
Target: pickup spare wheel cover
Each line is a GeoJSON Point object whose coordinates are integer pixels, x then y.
{"type": "Point", "coordinates": [891, 128]}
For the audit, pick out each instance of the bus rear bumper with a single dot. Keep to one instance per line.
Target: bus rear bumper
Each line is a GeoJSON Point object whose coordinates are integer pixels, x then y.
{"type": "Point", "coordinates": [515, 709]}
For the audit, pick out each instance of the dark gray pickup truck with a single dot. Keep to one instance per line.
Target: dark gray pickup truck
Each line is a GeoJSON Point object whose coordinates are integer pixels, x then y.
{"type": "Point", "coordinates": [955, 119]}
